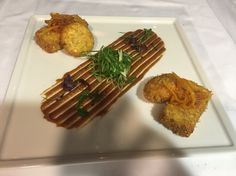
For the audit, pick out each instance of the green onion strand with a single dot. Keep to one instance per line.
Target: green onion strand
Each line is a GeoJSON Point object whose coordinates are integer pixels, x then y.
{"type": "Point", "coordinates": [113, 65]}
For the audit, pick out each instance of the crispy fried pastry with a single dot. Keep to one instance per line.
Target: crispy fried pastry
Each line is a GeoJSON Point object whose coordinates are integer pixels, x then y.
{"type": "Point", "coordinates": [61, 107]}
{"type": "Point", "coordinates": [76, 38]}
{"type": "Point", "coordinates": [186, 101]}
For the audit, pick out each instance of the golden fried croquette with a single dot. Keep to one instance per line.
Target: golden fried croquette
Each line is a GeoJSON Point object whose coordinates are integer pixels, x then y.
{"type": "Point", "coordinates": [182, 120]}
{"type": "Point", "coordinates": [186, 101]}
{"type": "Point", "coordinates": [62, 20]}
{"type": "Point", "coordinates": [70, 32]}
{"type": "Point", "coordinates": [48, 38]}
{"type": "Point", "coordinates": [76, 39]}
{"type": "Point", "coordinates": [155, 91]}
{"type": "Point", "coordinates": [179, 120]}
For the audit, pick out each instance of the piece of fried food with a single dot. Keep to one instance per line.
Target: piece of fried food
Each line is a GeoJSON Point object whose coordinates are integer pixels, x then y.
{"type": "Point", "coordinates": [48, 38]}
{"type": "Point", "coordinates": [186, 101]}
{"type": "Point", "coordinates": [76, 39]}
{"type": "Point", "coordinates": [62, 30]}
{"type": "Point", "coordinates": [182, 120]}
{"type": "Point", "coordinates": [155, 89]}
{"type": "Point", "coordinates": [62, 20]}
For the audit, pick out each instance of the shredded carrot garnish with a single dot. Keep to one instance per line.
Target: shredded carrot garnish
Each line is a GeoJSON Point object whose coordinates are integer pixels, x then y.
{"type": "Point", "coordinates": [183, 92]}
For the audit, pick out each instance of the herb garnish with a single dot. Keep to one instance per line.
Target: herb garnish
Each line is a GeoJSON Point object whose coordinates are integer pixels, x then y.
{"type": "Point", "coordinates": [95, 96]}
{"type": "Point", "coordinates": [146, 34]}
{"type": "Point", "coordinates": [83, 96]}
{"type": "Point", "coordinates": [82, 112]}
{"type": "Point", "coordinates": [113, 65]}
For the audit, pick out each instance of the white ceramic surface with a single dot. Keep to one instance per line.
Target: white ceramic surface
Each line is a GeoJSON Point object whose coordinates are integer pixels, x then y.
{"type": "Point", "coordinates": [128, 127]}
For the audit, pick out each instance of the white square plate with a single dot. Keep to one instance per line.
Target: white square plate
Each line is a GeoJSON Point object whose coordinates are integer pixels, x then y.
{"type": "Point", "coordinates": [128, 130]}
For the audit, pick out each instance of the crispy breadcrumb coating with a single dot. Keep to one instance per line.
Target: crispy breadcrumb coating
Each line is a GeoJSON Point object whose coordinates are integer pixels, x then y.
{"type": "Point", "coordinates": [48, 38]}
{"type": "Point", "coordinates": [70, 32]}
{"type": "Point", "coordinates": [186, 101]}
{"type": "Point", "coordinates": [76, 39]}
{"type": "Point", "coordinates": [182, 120]}
{"type": "Point", "coordinates": [155, 90]}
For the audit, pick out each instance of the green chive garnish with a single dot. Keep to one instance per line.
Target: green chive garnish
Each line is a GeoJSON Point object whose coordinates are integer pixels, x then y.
{"type": "Point", "coordinates": [112, 65]}
{"type": "Point", "coordinates": [82, 112]}
{"type": "Point", "coordinates": [94, 96]}
{"type": "Point", "coordinates": [146, 34]}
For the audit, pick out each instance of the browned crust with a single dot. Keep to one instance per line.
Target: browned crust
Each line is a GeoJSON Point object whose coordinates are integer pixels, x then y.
{"type": "Point", "coordinates": [178, 118]}
{"type": "Point", "coordinates": [48, 38]}
{"type": "Point", "coordinates": [76, 39]}
{"type": "Point", "coordinates": [154, 90]}
{"type": "Point", "coordinates": [183, 127]}
{"type": "Point", "coordinates": [70, 32]}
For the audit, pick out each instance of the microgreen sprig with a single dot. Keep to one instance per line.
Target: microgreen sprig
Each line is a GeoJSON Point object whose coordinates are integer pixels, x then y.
{"type": "Point", "coordinates": [86, 94]}
{"type": "Point", "coordinates": [83, 96]}
{"type": "Point", "coordinates": [146, 34]}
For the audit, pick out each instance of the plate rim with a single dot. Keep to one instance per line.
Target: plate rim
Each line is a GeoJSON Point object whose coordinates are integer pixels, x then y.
{"type": "Point", "coordinates": [18, 67]}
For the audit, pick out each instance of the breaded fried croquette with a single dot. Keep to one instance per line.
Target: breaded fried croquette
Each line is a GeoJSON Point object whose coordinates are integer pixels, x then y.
{"type": "Point", "coordinates": [61, 20]}
{"type": "Point", "coordinates": [179, 120]}
{"type": "Point", "coordinates": [182, 120]}
{"type": "Point", "coordinates": [76, 38]}
{"type": "Point", "coordinates": [156, 92]}
{"type": "Point", "coordinates": [48, 38]}
{"type": "Point", "coordinates": [186, 101]}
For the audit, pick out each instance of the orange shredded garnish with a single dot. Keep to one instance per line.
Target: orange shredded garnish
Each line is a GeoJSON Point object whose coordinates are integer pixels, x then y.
{"type": "Point", "coordinates": [182, 94]}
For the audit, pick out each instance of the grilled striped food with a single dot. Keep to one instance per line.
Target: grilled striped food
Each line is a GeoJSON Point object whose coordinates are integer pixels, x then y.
{"type": "Point", "coordinates": [60, 103]}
